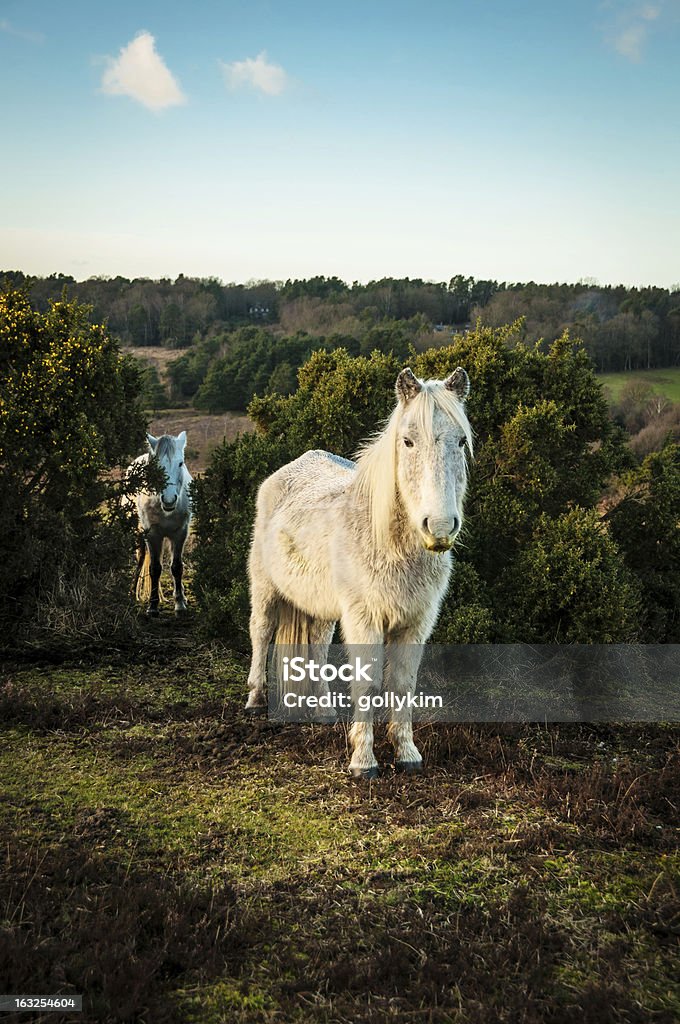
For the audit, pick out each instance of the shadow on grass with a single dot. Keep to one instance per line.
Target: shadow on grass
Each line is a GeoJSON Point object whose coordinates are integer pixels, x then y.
{"type": "Point", "coordinates": [84, 920]}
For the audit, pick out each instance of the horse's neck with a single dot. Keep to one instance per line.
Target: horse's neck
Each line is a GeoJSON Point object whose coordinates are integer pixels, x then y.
{"type": "Point", "coordinates": [403, 539]}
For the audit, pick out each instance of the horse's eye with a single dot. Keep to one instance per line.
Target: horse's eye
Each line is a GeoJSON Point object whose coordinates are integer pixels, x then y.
{"type": "Point", "coordinates": [181, 464]}
{"type": "Point", "coordinates": [408, 442]}
{"type": "Point", "coordinates": [461, 443]}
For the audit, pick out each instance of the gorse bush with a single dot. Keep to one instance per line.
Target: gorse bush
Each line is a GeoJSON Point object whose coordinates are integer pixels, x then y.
{"type": "Point", "coordinates": [645, 523]}
{"type": "Point", "coordinates": [537, 562]}
{"type": "Point", "coordinates": [70, 410]}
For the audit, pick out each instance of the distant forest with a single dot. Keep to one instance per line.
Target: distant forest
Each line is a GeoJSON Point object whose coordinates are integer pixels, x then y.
{"type": "Point", "coordinates": [622, 328]}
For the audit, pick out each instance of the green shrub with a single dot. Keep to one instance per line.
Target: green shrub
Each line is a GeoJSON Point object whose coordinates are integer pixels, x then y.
{"type": "Point", "coordinates": [536, 561]}
{"type": "Point", "coordinates": [70, 410]}
{"type": "Point", "coordinates": [646, 525]}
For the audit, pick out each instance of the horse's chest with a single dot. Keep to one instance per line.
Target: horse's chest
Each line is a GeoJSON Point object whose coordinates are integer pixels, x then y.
{"type": "Point", "coordinates": [411, 591]}
{"type": "Point", "coordinates": [164, 524]}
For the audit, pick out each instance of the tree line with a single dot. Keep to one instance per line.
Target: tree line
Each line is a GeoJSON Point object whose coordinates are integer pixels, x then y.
{"type": "Point", "coordinates": [622, 328]}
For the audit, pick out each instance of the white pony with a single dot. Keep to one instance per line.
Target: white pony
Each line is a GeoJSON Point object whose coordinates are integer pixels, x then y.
{"type": "Point", "coordinates": [166, 514]}
{"type": "Point", "coordinates": [368, 544]}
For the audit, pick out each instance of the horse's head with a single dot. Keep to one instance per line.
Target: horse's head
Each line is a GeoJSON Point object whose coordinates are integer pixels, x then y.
{"type": "Point", "coordinates": [168, 451]}
{"type": "Point", "coordinates": [432, 434]}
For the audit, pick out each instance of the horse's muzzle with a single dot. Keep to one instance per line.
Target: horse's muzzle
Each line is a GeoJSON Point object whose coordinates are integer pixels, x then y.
{"type": "Point", "coordinates": [169, 508]}
{"type": "Point", "coordinates": [437, 544]}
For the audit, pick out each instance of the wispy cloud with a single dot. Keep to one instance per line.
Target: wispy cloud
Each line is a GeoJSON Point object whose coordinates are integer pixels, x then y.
{"type": "Point", "coordinates": [141, 73]}
{"type": "Point", "coordinates": [629, 32]}
{"type": "Point", "coordinates": [30, 37]}
{"type": "Point", "coordinates": [256, 73]}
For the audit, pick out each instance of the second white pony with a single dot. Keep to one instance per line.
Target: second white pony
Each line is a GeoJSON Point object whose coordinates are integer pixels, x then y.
{"type": "Point", "coordinates": [165, 515]}
{"type": "Point", "coordinates": [368, 544]}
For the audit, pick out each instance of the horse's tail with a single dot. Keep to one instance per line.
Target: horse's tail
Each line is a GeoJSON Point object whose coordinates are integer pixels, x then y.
{"type": "Point", "coordinates": [299, 635]}
{"type": "Point", "coordinates": [142, 580]}
{"type": "Point", "coordinates": [141, 585]}
{"type": "Point", "coordinates": [291, 640]}
{"type": "Point", "coordinates": [294, 627]}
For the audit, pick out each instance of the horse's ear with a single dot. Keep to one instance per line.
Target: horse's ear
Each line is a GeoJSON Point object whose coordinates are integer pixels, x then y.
{"type": "Point", "coordinates": [152, 442]}
{"type": "Point", "coordinates": [407, 386]}
{"type": "Point", "coordinates": [459, 383]}
{"type": "Point", "coordinates": [182, 438]}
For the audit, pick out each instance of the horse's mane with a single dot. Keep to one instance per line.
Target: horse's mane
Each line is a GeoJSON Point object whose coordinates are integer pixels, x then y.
{"type": "Point", "coordinates": [165, 446]}
{"type": "Point", "coordinates": [377, 458]}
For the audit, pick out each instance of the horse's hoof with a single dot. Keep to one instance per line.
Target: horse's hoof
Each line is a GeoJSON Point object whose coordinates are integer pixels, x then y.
{"type": "Point", "coordinates": [256, 712]}
{"type": "Point", "coordinates": [365, 773]}
{"type": "Point", "coordinates": [409, 767]}
{"type": "Point", "coordinates": [152, 613]}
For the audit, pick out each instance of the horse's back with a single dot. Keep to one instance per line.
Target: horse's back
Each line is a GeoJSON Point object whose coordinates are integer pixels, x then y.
{"type": "Point", "coordinates": [294, 496]}
{"type": "Point", "coordinates": [299, 510]}
{"type": "Point", "coordinates": [305, 481]}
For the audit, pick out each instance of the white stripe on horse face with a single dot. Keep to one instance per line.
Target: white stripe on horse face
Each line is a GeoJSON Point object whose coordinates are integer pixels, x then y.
{"type": "Point", "coordinates": [169, 453]}
{"type": "Point", "coordinates": [432, 475]}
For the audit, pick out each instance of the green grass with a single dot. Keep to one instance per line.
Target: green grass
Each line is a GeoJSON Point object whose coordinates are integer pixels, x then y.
{"type": "Point", "coordinates": [665, 381]}
{"type": "Point", "coordinates": [174, 860]}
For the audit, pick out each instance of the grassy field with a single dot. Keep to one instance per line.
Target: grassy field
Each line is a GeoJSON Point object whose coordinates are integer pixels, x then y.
{"type": "Point", "coordinates": [173, 860]}
{"type": "Point", "coordinates": [666, 381]}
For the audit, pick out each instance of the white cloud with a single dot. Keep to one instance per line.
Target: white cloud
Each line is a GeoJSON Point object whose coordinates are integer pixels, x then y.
{"type": "Point", "coordinates": [629, 41]}
{"type": "Point", "coordinates": [256, 72]}
{"type": "Point", "coordinates": [629, 35]}
{"type": "Point", "coordinates": [139, 72]}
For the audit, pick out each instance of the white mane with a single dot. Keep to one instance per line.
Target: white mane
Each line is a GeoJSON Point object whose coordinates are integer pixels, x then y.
{"type": "Point", "coordinates": [377, 459]}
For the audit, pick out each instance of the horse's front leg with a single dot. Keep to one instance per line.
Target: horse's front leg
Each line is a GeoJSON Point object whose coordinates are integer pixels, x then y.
{"type": "Point", "coordinates": [155, 545]}
{"type": "Point", "coordinates": [177, 570]}
{"type": "Point", "coordinates": [365, 644]}
{"type": "Point", "coordinates": [403, 653]}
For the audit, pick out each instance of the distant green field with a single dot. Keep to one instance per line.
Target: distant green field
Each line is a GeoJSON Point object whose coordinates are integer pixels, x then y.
{"type": "Point", "coordinates": [666, 381]}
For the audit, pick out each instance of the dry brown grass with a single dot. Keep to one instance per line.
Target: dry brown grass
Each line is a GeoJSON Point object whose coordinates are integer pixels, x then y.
{"type": "Point", "coordinates": [204, 431]}
{"type": "Point", "coordinates": [158, 356]}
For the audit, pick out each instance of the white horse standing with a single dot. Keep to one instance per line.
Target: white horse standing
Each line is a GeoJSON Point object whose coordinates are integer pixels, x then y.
{"type": "Point", "coordinates": [164, 515]}
{"type": "Point", "coordinates": [368, 544]}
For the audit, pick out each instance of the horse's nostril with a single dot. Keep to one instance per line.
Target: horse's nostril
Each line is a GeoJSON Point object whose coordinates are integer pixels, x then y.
{"type": "Point", "coordinates": [456, 525]}
{"type": "Point", "coordinates": [425, 525]}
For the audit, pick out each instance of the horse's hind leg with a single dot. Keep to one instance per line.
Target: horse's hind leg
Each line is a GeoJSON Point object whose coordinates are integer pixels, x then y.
{"type": "Point", "coordinates": [263, 620]}
{"type": "Point", "coordinates": [320, 639]}
{"type": "Point", "coordinates": [177, 568]}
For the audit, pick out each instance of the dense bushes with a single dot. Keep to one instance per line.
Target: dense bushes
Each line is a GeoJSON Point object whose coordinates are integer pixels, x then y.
{"type": "Point", "coordinates": [70, 410]}
{"type": "Point", "coordinates": [538, 562]}
{"type": "Point", "coordinates": [224, 372]}
{"type": "Point", "coordinates": [251, 363]}
{"type": "Point", "coordinates": [645, 522]}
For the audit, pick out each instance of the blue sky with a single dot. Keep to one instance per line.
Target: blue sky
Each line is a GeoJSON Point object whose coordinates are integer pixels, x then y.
{"type": "Point", "coordinates": [512, 140]}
